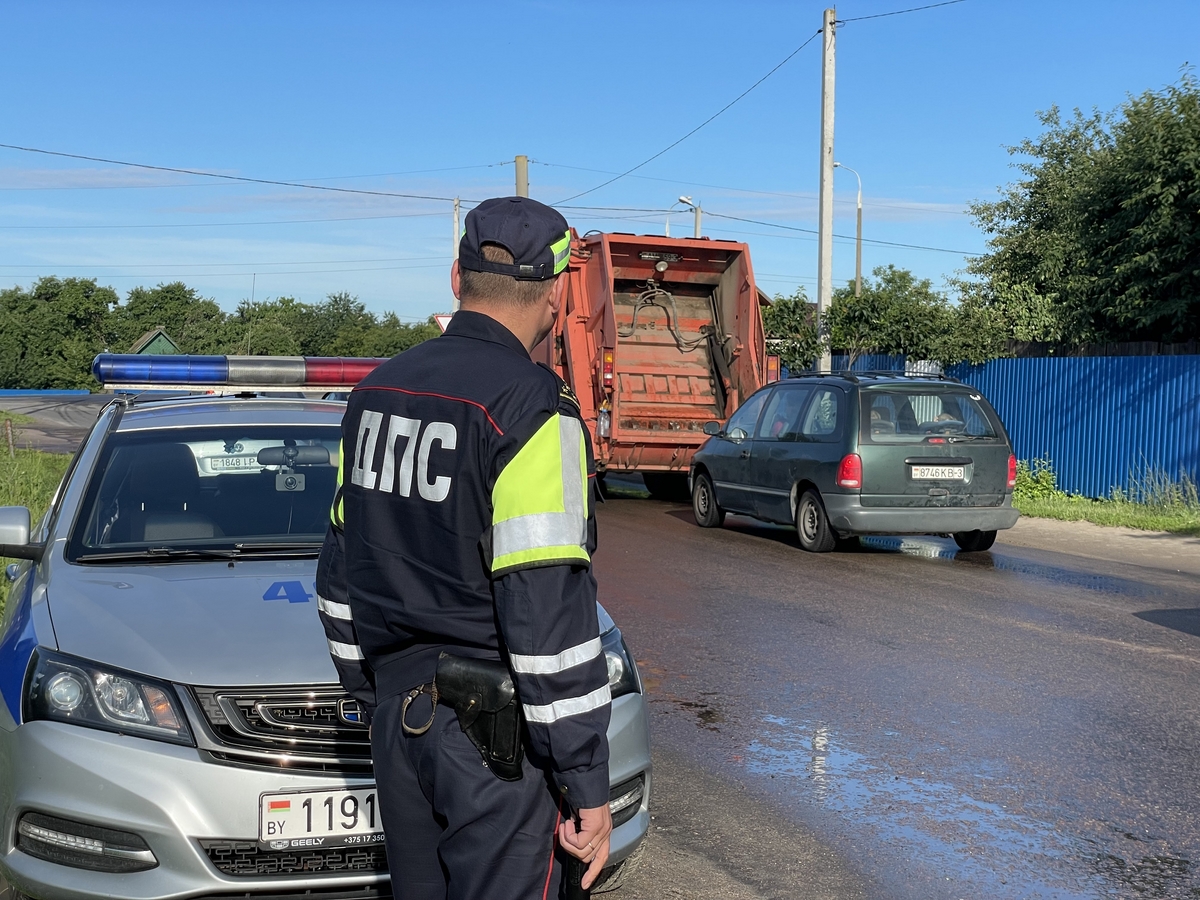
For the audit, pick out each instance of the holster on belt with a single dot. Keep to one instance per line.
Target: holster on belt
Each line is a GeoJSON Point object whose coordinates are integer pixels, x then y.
{"type": "Point", "coordinates": [483, 696]}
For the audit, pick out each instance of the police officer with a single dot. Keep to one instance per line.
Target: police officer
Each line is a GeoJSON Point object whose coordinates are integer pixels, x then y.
{"type": "Point", "coordinates": [462, 533]}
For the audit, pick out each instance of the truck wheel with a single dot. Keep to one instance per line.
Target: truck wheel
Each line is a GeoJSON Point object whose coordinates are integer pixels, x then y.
{"type": "Point", "coordinates": [670, 486]}
{"type": "Point", "coordinates": [974, 541]}
{"type": "Point", "coordinates": [812, 525]}
{"type": "Point", "coordinates": [704, 503]}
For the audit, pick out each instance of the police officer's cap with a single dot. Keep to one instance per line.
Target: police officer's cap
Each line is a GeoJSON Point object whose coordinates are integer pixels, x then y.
{"type": "Point", "coordinates": [537, 236]}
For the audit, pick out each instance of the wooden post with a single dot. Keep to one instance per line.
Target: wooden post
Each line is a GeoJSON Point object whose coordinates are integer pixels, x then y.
{"type": "Point", "coordinates": [8, 434]}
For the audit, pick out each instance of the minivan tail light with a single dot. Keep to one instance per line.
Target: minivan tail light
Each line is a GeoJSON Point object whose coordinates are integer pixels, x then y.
{"type": "Point", "coordinates": [850, 471]}
{"type": "Point", "coordinates": [1012, 471]}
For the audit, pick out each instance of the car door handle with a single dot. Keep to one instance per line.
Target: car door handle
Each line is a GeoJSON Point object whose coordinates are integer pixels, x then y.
{"type": "Point", "coordinates": [745, 454]}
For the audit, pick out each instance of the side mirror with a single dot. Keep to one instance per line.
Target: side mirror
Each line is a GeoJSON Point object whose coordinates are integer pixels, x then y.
{"type": "Point", "coordinates": [737, 435]}
{"type": "Point", "coordinates": [712, 429]}
{"type": "Point", "coordinates": [14, 534]}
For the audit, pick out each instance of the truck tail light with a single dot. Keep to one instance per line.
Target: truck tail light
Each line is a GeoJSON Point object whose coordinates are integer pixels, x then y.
{"type": "Point", "coordinates": [608, 368]}
{"type": "Point", "coordinates": [1012, 471]}
{"type": "Point", "coordinates": [849, 473]}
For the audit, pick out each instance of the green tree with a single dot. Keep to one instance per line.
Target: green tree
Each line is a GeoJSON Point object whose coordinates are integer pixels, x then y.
{"type": "Point", "coordinates": [791, 329]}
{"type": "Point", "coordinates": [50, 333]}
{"type": "Point", "coordinates": [897, 313]}
{"type": "Point", "coordinates": [1100, 240]}
{"type": "Point", "coordinates": [195, 323]}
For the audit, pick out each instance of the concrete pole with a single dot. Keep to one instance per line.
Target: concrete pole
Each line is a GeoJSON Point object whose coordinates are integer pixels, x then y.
{"type": "Point", "coordinates": [825, 194]}
{"type": "Point", "coordinates": [697, 211]}
{"type": "Point", "coordinates": [457, 237]}
{"type": "Point", "coordinates": [857, 233]}
{"type": "Point", "coordinates": [522, 165]}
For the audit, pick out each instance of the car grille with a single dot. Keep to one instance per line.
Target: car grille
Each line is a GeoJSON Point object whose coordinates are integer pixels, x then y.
{"type": "Point", "coordinates": [246, 859]}
{"type": "Point", "coordinates": [309, 729]}
{"type": "Point", "coordinates": [369, 892]}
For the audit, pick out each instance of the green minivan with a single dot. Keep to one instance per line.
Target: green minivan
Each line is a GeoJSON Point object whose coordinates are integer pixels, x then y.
{"type": "Point", "coordinates": [848, 454]}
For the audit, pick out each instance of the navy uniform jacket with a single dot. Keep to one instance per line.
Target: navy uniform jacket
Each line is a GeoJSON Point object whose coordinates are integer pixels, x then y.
{"type": "Point", "coordinates": [464, 522]}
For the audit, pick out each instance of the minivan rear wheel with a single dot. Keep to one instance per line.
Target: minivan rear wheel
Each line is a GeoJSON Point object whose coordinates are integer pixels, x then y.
{"type": "Point", "coordinates": [812, 525]}
{"type": "Point", "coordinates": [974, 541]}
{"type": "Point", "coordinates": [704, 503]}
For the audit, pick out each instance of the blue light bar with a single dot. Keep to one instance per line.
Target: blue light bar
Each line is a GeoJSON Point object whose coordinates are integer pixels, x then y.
{"type": "Point", "coordinates": [133, 368]}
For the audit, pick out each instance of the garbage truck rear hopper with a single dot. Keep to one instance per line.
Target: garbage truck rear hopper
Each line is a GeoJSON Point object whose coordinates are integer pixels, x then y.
{"type": "Point", "coordinates": [657, 336]}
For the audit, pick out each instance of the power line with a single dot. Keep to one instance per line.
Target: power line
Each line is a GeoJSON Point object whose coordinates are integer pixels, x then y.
{"type": "Point", "coordinates": [243, 274]}
{"type": "Point", "coordinates": [189, 184]}
{"type": "Point", "coordinates": [242, 178]}
{"type": "Point", "coordinates": [697, 128]}
{"type": "Point", "coordinates": [843, 236]}
{"type": "Point", "coordinates": [234, 224]}
{"type": "Point", "coordinates": [146, 265]}
{"type": "Point", "coordinates": [899, 12]}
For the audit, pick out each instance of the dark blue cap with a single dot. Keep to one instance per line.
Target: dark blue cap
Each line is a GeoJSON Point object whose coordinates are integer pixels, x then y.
{"type": "Point", "coordinates": [537, 236]}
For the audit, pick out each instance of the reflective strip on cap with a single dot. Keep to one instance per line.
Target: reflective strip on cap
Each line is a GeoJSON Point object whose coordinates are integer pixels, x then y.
{"type": "Point", "coordinates": [562, 252]}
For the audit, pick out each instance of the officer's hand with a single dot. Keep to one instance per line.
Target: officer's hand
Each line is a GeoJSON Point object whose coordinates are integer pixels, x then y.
{"type": "Point", "coordinates": [591, 842]}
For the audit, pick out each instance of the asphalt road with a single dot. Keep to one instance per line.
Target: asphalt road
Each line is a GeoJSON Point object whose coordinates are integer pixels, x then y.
{"type": "Point", "coordinates": [905, 722]}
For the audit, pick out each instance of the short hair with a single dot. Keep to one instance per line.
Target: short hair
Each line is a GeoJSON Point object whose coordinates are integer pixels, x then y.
{"type": "Point", "coordinates": [492, 287]}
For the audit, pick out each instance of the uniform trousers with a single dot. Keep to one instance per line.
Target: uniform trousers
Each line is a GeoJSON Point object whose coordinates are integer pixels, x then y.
{"type": "Point", "coordinates": [454, 830]}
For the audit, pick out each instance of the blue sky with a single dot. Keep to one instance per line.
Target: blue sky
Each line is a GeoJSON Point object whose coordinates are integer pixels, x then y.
{"type": "Point", "coordinates": [436, 99]}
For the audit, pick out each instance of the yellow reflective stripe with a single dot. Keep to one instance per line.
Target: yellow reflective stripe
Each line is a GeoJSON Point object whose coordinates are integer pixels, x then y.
{"type": "Point", "coordinates": [337, 512]}
{"type": "Point", "coordinates": [539, 503]}
{"type": "Point", "coordinates": [562, 252]}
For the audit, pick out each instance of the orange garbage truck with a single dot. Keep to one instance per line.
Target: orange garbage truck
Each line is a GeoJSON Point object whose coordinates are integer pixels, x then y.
{"type": "Point", "coordinates": [657, 336]}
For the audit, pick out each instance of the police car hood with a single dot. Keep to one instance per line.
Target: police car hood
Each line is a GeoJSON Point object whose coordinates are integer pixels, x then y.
{"type": "Point", "coordinates": [208, 623]}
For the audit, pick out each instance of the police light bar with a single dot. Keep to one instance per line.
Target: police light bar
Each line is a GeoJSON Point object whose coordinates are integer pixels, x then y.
{"type": "Point", "coordinates": [132, 371]}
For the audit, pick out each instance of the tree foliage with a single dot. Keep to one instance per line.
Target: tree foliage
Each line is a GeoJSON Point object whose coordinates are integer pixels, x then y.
{"type": "Point", "coordinates": [50, 333]}
{"type": "Point", "coordinates": [791, 330]}
{"type": "Point", "coordinates": [1100, 240]}
{"type": "Point", "coordinates": [896, 313]}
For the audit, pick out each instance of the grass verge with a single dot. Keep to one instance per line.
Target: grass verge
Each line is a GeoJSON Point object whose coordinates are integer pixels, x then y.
{"type": "Point", "coordinates": [1154, 502]}
{"type": "Point", "coordinates": [17, 418]}
{"type": "Point", "coordinates": [29, 479]}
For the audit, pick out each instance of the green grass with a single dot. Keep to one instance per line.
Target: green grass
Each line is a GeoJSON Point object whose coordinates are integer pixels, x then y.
{"type": "Point", "coordinates": [1154, 502]}
{"type": "Point", "coordinates": [29, 479]}
{"type": "Point", "coordinates": [17, 418]}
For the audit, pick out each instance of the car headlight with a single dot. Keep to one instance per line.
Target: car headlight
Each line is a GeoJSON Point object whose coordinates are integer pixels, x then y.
{"type": "Point", "coordinates": [65, 689]}
{"type": "Point", "coordinates": [622, 673]}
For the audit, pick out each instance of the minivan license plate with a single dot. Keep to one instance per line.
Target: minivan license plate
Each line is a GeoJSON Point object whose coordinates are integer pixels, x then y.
{"type": "Point", "coordinates": [937, 473]}
{"type": "Point", "coordinates": [319, 819]}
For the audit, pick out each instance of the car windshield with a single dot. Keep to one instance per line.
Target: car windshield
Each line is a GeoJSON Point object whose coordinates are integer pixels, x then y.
{"type": "Point", "coordinates": [208, 492]}
{"type": "Point", "coordinates": [910, 415]}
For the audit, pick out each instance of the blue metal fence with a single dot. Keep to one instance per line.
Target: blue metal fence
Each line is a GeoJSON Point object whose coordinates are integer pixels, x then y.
{"type": "Point", "coordinates": [1099, 419]}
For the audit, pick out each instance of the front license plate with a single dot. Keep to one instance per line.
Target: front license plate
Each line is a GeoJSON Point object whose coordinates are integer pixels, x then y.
{"type": "Point", "coordinates": [937, 473]}
{"type": "Point", "coordinates": [319, 819]}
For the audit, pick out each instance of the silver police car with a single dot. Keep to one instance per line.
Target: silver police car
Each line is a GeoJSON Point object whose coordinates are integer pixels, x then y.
{"type": "Point", "coordinates": [170, 722]}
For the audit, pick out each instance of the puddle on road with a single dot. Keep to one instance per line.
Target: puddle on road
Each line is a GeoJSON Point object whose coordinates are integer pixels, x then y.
{"type": "Point", "coordinates": [948, 831]}
{"type": "Point", "coordinates": [927, 548]}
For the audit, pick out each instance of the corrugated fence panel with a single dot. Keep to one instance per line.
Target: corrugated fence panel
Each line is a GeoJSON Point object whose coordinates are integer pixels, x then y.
{"type": "Point", "coordinates": [868, 362]}
{"type": "Point", "coordinates": [1098, 419]}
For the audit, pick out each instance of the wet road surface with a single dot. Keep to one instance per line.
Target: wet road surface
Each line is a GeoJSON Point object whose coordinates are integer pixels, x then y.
{"type": "Point", "coordinates": [915, 723]}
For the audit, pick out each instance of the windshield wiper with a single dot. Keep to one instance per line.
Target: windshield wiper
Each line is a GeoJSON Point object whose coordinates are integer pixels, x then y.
{"type": "Point", "coordinates": [160, 553]}
{"type": "Point", "coordinates": [238, 551]}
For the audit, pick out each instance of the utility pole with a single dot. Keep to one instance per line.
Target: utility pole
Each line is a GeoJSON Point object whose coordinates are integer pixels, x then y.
{"type": "Point", "coordinates": [696, 230]}
{"type": "Point", "coordinates": [522, 165]}
{"type": "Point", "coordinates": [825, 195]}
{"type": "Point", "coordinates": [457, 237]}
{"type": "Point", "coordinates": [857, 234]}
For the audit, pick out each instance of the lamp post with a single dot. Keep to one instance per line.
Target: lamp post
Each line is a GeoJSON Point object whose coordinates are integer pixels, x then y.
{"type": "Point", "coordinates": [687, 201]}
{"type": "Point", "coordinates": [858, 234]}
{"type": "Point", "coordinates": [698, 213]}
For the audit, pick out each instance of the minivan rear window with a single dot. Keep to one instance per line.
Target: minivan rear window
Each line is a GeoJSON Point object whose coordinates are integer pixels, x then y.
{"type": "Point", "coordinates": [912, 415]}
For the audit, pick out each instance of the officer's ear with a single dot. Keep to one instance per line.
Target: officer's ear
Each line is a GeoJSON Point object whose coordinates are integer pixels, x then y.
{"type": "Point", "coordinates": [455, 280]}
{"type": "Point", "coordinates": [557, 293]}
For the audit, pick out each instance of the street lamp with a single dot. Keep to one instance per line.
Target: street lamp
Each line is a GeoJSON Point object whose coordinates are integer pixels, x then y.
{"type": "Point", "coordinates": [686, 201]}
{"type": "Point", "coordinates": [695, 209]}
{"type": "Point", "coordinates": [858, 234]}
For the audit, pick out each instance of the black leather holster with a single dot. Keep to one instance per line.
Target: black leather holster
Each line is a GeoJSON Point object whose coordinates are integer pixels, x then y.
{"type": "Point", "coordinates": [483, 696]}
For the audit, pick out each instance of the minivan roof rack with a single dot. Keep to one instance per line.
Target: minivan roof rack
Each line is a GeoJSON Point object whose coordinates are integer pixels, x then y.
{"type": "Point", "coordinates": [867, 374]}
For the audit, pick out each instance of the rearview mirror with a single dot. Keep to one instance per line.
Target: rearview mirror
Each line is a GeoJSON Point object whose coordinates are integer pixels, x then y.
{"type": "Point", "coordinates": [14, 534]}
{"type": "Point", "coordinates": [712, 428]}
{"type": "Point", "coordinates": [293, 456]}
